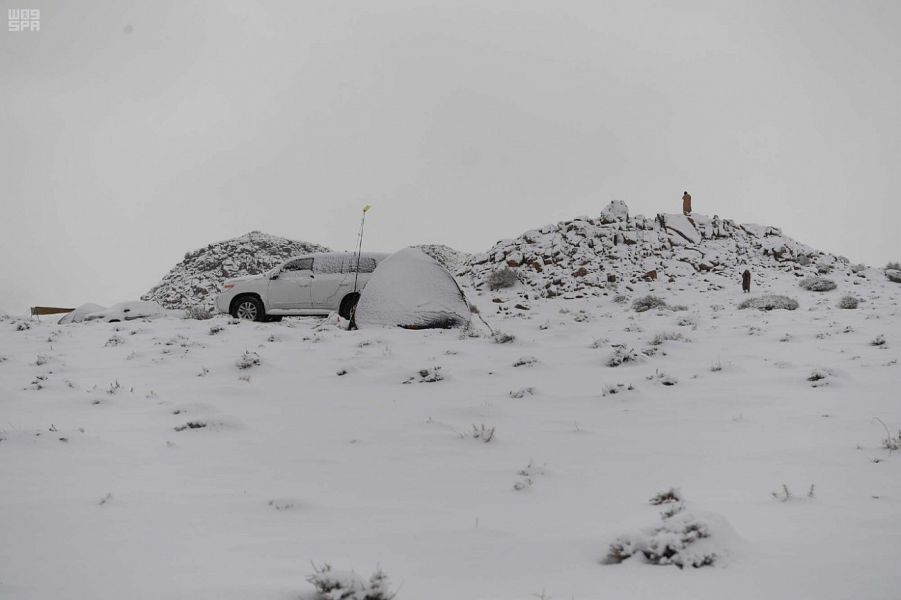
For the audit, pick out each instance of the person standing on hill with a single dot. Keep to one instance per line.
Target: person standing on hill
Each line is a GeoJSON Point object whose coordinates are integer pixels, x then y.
{"type": "Point", "coordinates": [746, 281]}
{"type": "Point", "coordinates": [686, 203]}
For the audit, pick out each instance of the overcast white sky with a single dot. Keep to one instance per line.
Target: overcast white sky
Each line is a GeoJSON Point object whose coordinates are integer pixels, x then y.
{"type": "Point", "coordinates": [131, 132]}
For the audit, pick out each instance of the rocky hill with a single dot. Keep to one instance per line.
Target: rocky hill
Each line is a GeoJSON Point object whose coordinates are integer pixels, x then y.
{"type": "Point", "coordinates": [195, 280]}
{"type": "Point", "coordinates": [451, 259]}
{"type": "Point", "coordinates": [584, 255]}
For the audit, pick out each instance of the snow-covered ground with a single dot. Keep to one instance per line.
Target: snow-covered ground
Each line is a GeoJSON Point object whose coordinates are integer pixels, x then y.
{"type": "Point", "coordinates": [138, 460]}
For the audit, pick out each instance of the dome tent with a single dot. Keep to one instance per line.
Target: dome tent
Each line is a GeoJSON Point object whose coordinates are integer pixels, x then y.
{"type": "Point", "coordinates": [411, 290]}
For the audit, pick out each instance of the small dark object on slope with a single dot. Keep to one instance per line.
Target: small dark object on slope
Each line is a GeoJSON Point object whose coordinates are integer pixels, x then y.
{"type": "Point", "coordinates": [191, 425]}
{"type": "Point", "coordinates": [769, 302]}
{"type": "Point", "coordinates": [647, 303]}
{"type": "Point", "coordinates": [817, 284]}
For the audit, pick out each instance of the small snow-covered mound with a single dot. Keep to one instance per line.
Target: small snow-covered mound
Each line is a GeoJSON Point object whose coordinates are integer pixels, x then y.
{"type": "Point", "coordinates": [770, 302]}
{"type": "Point", "coordinates": [411, 290]}
{"type": "Point", "coordinates": [196, 280]}
{"type": "Point", "coordinates": [683, 538]}
{"type": "Point", "coordinates": [123, 311]}
{"type": "Point", "coordinates": [78, 315]}
{"type": "Point", "coordinates": [817, 284]}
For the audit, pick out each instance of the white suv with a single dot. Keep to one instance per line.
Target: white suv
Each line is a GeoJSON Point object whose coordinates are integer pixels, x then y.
{"type": "Point", "coordinates": [313, 284]}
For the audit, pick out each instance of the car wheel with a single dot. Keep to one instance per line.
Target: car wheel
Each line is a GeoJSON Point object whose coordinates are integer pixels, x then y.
{"type": "Point", "coordinates": [348, 304]}
{"type": "Point", "coordinates": [249, 309]}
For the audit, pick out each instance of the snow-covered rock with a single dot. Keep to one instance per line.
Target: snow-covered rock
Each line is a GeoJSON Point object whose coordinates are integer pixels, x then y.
{"type": "Point", "coordinates": [449, 258]}
{"type": "Point", "coordinates": [584, 255]}
{"type": "Point", "coordinates": [614, 212]}
{"type": "Point", "coordinates": [196, 279]}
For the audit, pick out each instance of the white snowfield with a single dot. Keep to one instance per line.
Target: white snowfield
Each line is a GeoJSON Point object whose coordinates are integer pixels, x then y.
{"type": "Point", "coordinates": [218, 459]}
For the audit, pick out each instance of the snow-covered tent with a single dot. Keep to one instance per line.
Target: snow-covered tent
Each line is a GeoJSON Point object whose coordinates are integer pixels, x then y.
{"type": "Point", "coordinates": [410, 289]}
{"type": "Point", "coordinates": [124, 311]}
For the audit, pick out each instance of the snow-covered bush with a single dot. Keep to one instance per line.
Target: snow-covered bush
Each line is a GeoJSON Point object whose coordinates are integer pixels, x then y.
{"type": "Point", "coordinates": [848, 302]}
{"type": "Point", "coordinates": [347, 585]}
{"type": "Point", "coordinates": [879, 340]}
{"type": "Point", "coordinates": [889, 442]}
{"type": "Point", "coordinates": [248, 359]}
{"type": "Point", "coordinates": [483, 433]}
{"type": "Point", "coordinates": [893, 275]}
{"type": "Point", "coordinates": [785, 494]}
{"type": "Point", "coordinates": [198, 312]}
{"type": "Point", "coordinates": [616, 389]}
{"type": "Point", "coordinates": [502, 278]}
{"type": "Point", "coordinates": [670, 495]}
{"type": "Point", "coordinates": [894, 266]}
{"type": "Point", "coordinates": [647, 303]}
{"type": "Point", "coordinates": [818, 378]}
{"type": "Point", "coordinates": [663, 378]}
{"type": "Point", "coordinates": [503, 338]}
{"type": "Point", "coordinates": [426, 376]}
{"type": "Point", "coordinates": [621, 355]}
{"type": "Point", "coordinates": [522, 392]}
{"type": "Point", "coordinates": [770, 302]}
{"type": "Point", "coordinates": [682, 539]}
{"type": "Point", "coordinates": [190, 425]}
{"type": "Point", "coordinates": [667, 336]}
{"type": "Point", "coordinates": [817, 284]}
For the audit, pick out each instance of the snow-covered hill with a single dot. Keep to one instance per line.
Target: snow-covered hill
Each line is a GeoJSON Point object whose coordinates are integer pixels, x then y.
{"type": "Point", "coordinates": [451, 259]}
{"type": "Point", "coordinates": [581, 256]}
{"type": "Point", "coordinates": [196, 280]}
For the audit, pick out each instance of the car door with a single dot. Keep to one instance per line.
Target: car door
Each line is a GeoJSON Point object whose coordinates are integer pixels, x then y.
{"type": "Point", "coordinates": [328, 286]}
{"type": "Point", "coordinates": [290, 288]}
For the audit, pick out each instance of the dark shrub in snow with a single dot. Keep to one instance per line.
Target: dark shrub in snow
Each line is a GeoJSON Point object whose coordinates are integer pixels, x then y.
{"type": "Point", "coordinates": [670, 495]}
{"type": "Point", "coordinates": [848, 302]}
{"type": "Point", "coordinates": [770, 302]}
{"type": "Point", "coordinates": [817, 284]}
{"type": "Point", "coordinates": [502, 278]}
{"type": "Point", "coordinates": [426, 376]}
{"type": "Point", "coordinates": [198, 312]}
{"type": "Point", "coordinates": [667, 336]}
{"type": "Point", "coordinates": [622, 355]}
{"type": "Point", "coordinates": [248, 359]}
{"type": "Point", "coordinates": [647, 303]}
{"type": "Point", "coordinates": [347, 585]}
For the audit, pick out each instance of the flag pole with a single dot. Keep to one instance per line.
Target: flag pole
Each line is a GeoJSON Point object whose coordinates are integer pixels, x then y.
{"type": "Point", "coordinates": [360, 245]}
